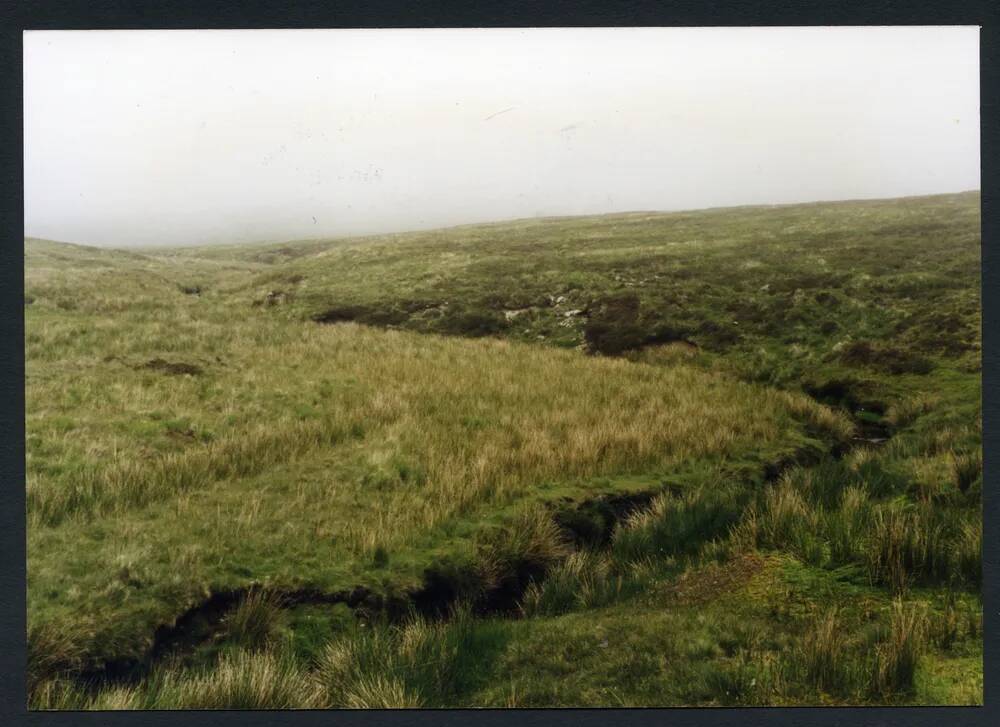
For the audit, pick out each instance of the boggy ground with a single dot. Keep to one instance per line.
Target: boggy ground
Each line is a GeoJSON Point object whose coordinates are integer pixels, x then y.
{"type": "Point", "coordinates": [721, 457]}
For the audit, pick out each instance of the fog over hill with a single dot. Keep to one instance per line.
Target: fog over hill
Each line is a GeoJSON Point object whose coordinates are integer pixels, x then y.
{"type": "Point", "coordinates": [188, 137]}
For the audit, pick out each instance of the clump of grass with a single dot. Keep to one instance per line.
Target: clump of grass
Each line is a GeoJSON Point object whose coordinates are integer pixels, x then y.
{"type": "Point", "coordinates": [949, 627]}
{"type": "Point", "coordinates": [254, 621]}
{"type": "Point", "coordinates": [244, 680]}
{"type": "Point", "coordinates": [910, 544]}
{"type": "Point", "coordinates": [52, 651]}
{"type": "Point", "coordinates": [56, 694]}
{"type": "Point", "coordinates": [821, 658]}
{"type": "Point", "coordinates": [116, 699]}
{"type": "Point", "coordinates": [416, 664]}
{"type": "Point", "coordinates": [785, 519]}
{"type": "Point", "coordinates": [968, 553]}
{"type": "Point", "coordinates": [907, 410]}
{"type": "Point", "coordinates": [828, 423]}
{"type": "Point", "coordinates": [676, 525]}
{"type": "Point", "coordinates": [583, 580]}
{"type": "Point", "coordinates": [532, 539]}
{"type": "Point", "coordinates": [240, 680]}
{"type": "Point", "coordinates": [897, 547]}
{"type": "Point", "coordinates": [897, 656]}
{"type": "Point", "coordinates": [361, 673]}
{"type": "Point", "coordinates": [845, 527]}
{"type": "Point", "coordinates": [377, 691]}
{"type": "Point", "coordinates": [786, 515]}
{"type": "Point", "coordinates": [967, 468]}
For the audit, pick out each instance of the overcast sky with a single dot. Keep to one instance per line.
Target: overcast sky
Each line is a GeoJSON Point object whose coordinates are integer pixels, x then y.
{"type": "Point", "coordinates": [186, 137]}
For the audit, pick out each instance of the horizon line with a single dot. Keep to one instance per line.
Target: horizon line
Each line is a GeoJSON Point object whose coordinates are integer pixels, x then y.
{"type": "Point", "coordinates": [494, 221]}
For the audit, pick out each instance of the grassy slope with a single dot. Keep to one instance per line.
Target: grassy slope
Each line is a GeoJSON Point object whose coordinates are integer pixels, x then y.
{"type": "Point", "coordinates": [341, 455]}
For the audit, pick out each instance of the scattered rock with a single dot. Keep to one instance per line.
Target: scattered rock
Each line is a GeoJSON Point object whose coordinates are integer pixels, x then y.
{"type": "Point", "coordinates": [512, 314]}
{"type": "Point", "coordinates": [190, 289]}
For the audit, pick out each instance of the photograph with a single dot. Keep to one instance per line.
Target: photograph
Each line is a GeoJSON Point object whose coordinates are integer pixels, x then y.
{"type": "Point", "coordinates": [502, 368]}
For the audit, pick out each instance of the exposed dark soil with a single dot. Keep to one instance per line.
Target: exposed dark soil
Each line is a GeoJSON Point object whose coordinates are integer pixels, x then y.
{"type": "Point", "coordinates": [174, 368]}
{"type": "Point", "coordinates": [445, 587]}
{"type": "Point", "coordinates": [867, 411]}
{"type": "Point", "coordinates": [593, 523]}
{"type": "Point", "coordinates": [850, 394]}
{"type": "Point", "coordinates": [889, 359]}
{"type": "Point", "coordinates": [361, 314]}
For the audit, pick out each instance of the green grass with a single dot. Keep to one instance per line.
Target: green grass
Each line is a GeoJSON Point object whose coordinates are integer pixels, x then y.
{"type": "Point", "coordinates": [193, 429]}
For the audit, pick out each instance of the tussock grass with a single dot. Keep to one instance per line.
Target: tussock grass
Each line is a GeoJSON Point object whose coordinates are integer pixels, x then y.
{"type": "Point", "coordinates": [967, 553]}
{"type": "Point", "coordinates": [959, 620]}
{"type": "Point", "coordinates": [922, 544]}
{"type": "Point", "coordinates": [632, 417]}
{"type": "Point", "coordinates": [240, 680]}
{"type": "Point", "coordinates": [585, 579]}
{"type": "Point", "coordinates": [52, 650]}
{"type": "Point", "coordinates": [677, 525]}
{"type": "Point", "coordinates": [822, 657]}
{"type": "Point", "coordinates": [253, 623]}
{"type": "Point", "coordinates": [379, 692]}
{"type": "Point", "coordinates": [245, 680]}
{"type": "Point", "coordinates": [896, 657]}
{"type": "Point", "coordinates": [785, 519]}
{"type": "Point", "coordinates": [418, 664]}
{"type": "Point", "coordinates": [846, 527]}
{"type": "Point", "coordinates": [57, 694]}
{"type": "Point", "coordinates": [908, 410]}
{"type": "Point", "coordinates": [900, 543]}
{"type": "Point", "coordinates": [128, 483]}
{"type": "Point", "coordinates": [359, 673]}
{"type": "Point", "coordinates": [967, 468]}
{"type": "Point", "coordinates": [532, 538]}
